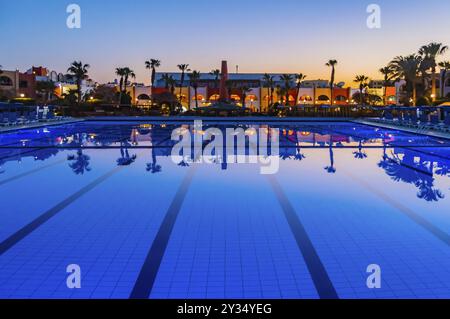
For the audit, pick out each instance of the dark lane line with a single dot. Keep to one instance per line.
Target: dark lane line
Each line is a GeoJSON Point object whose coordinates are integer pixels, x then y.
{"type": "Point", "coordinates": [419, 220]}
{"type": "Point", "coordinates": [13, 178]}
{"type": "Point", "coordinates": [144, 283]}
{"type": "Point", "coordinates": [319, 275]}
{"type": "Point", "coordinates": [28, 229]}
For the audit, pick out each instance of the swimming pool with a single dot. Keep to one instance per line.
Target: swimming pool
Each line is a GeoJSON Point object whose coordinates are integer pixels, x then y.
{"type": "Point", "coordinates": [107, 196]}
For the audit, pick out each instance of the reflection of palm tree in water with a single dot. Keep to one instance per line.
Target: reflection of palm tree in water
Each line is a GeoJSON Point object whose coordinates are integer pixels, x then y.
{"type": "Point", "coordinates": [406, 170]}
{"type": "Point", "coordinates": [153, 167]}
{"type": "Point", "coordinates": [80, 163]}
{"type": "Point", "coordinates": [331, 169]}
{"type": "Point", "coordinates": [359, 154]}
{"type": "Point", "coordinates": [298, 154]}
{"type": "Point", "coordinates": [125, 158]}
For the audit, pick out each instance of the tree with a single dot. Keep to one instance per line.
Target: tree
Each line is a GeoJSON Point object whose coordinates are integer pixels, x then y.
{"type": "Point", "coordinates": [244, 91]}
{"type": "Point", "coordinates": [1, 69]}
{"type": "Point", "coordinates": [194, 78]}
{"type": "Point", "coordinates": [361, 80]}
{"type": "Point", "coordinates": [166, 78]}
{"type": "Point", "coordinates": [153, 64]}
{"type": "Point", "coordinates": [216, 74]}
{"type": "Point", "coordinates": [269, 83]}
{"type": "Point", "coordinates": [407, 68]}
{"type": "Point", "coordinates": [287, 80]}
{"type": "Point", "coordinates": [105, 93]}
{"type": "Point", "coordinates": [429, 54]}
{"type": "Point", "coordinates": [183, 68]}
{"type": "Point", "coordinates": [78, 71]}
{"type": "Point", "coordinates": [386, 71]}
{"type": "Point", "coordinates": [299, 78]}
{"type": "Point", "coordinates": [127, 73]}
{"type": "Point", "coordinates": [446, 66]}
{"type": "Point", "coordinates": [46, 88]}
{"type": "Point", "coordinates": [332, 64]}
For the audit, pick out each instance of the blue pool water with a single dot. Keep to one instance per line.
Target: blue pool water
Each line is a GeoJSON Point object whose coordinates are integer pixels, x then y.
{"type": "Point", "coordinates": [108, 197]}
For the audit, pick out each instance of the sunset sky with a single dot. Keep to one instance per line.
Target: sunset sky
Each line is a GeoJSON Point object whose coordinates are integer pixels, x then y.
{"type": "Point", "coordinates": [259, 36]}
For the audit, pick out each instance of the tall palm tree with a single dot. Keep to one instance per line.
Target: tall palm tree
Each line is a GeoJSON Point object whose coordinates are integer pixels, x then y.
{"type": "Point", "coordinates": [1, 69]}
{"type": "Point", "coordinates": [127, 73]}
{"type": "Point", "coordinates": [407, 68]}
{"type": "Point", "coordinates": [332, 64]}
{"type": "Point", "coordinates": [183, 68]}
{"type": "Point", "coordinates": [244, 91]}
{"type": "Point", "coordinates": [230, 86]}
{"type": "Point", "coordinates": [78, 71]}
{"type": "Point", "coordinates": [120, 72]}
{"type": "Point", "coordinates": [166, 78]}
{"type": "Point", "coordinates": [269, 82]}
{"type": "Point", "coordinates": [299, 78]}
{"type": "Point", "coordinates": [361, 80]}
{"type": "Point", "coordinates": [287, 80]}
{"type": "Point", "coordinates": [194, 77]}
{"type": "Point", "coordinates": [386, 71]}
{"type": "Point", "coordinates": [172, 84]}
{"type": "Point", "coordinates": [216, 74]}
{"type": "Point", "coordinates": [152, 65]}
{"type": "Point", "coordinates": [446, 66]}
{"type": "Point", "coordinates": [429, 53]}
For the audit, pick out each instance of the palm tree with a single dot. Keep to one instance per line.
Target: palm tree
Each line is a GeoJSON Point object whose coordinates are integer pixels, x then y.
{"type": "Point", "coordinates": [166, 78]}
{"type": "Point", "coordinates": [216, 74]}
{"type": "Point", "coordinates": [194, 77]}
{"type": "Point", "coordinates": [183, 68]}
{"type": "Point", "coordinates": [361, 79]}
{"type": "Point", "coordinates": [269, 82]}
{"type": "Point", "coordinates": [1, 69]}
{"type": "Point", "coordinates": [386, 71]}
{"type": "Point", "coordinates": [299, 78]}
{"type": "Point", "coordinates": [429, 53]}
{"type": "Point", "coordinates": [120, 72]}
{"type": "Point", "coordinates": [78, 71]}
{"type": "Point", "coordinates": [46, 88]}
{"type": "Point", "coordinates": [332, 64]}
{"type": "Point", "coordinates": [171, 83]}
{"type": "Point", "coordinates": [446, 66]}
{"type": "Point", "coordinates": [127, 72]}
{"type": "Point", "coordinates": [230, 86]}
{"type": "Point", "coordinates": [244, 90]}
{"type": "Point", "coordinates": [152, 65]}
{"type": "Point", "coordinates": [287, 79]}
{"type": "Point", "coordinates": [407, 68]}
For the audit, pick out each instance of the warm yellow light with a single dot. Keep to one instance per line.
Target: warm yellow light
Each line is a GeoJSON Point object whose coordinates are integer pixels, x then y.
{"type": "Point", "coordinates": [22, 95]}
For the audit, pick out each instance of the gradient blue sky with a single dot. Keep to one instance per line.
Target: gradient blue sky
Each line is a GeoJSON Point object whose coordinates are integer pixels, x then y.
{"type": "Point", "coordinates": [259, 36]}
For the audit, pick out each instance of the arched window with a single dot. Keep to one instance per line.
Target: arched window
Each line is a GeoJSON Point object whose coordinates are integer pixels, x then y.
{"type": "Point", "coordinates": [251, 98]}
{"type": "Point", "coordinates": [305, 98]}
{"type": "Point", "coordinates": [5, 81]}
{"type": "Point", "coordinates": [214, 97]}
{"type": "Point", "coordinates": [391, 99]}
{"type": "Point", "coordinates": [323, 98]}
{"type": "Point", "coordinates": [235, 97]}
{"type": "Point", "coordinates": [341, 98]}
{"type": "Point", "coordinates": [143, 97]}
